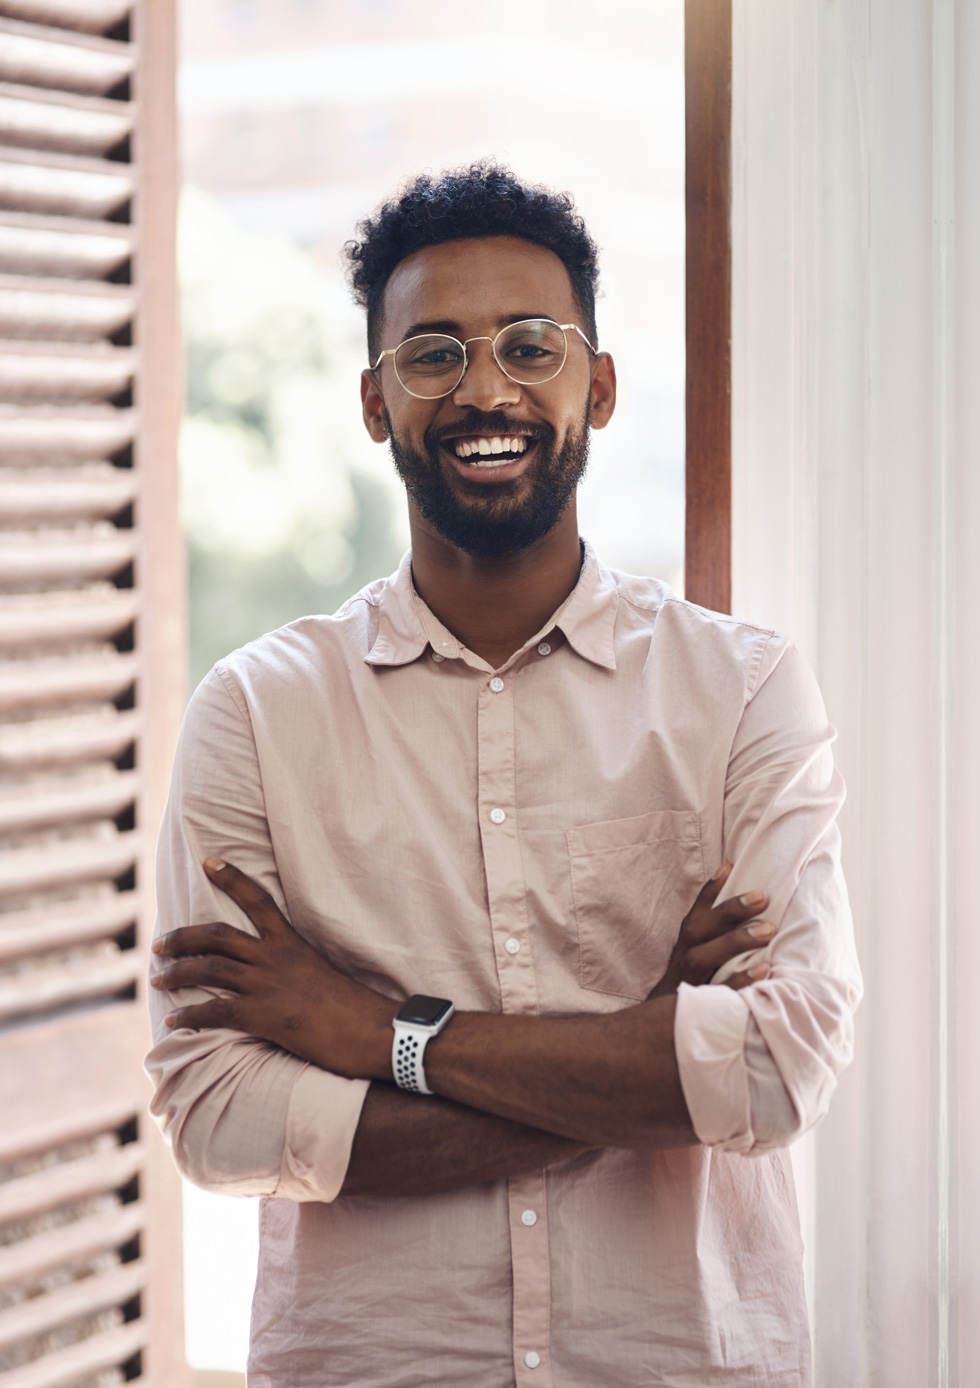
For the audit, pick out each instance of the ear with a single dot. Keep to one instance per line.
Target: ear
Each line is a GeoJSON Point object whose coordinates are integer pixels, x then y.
{"type": "Point", "coordinates": [602, 396]}
{"type": "Point", "coordinates": [372, 406]}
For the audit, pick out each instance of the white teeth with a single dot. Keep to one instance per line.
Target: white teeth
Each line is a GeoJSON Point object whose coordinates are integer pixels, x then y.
{"type": "Point", "coordinates": [486, 447]}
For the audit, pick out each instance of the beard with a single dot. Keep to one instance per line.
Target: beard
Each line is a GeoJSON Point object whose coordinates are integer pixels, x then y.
{"type": "Point", "coordinates": [492, 521]}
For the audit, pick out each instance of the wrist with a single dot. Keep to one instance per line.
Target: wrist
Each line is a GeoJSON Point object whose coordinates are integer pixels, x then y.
{"type": "Point", "coordinates": [379, 1043]}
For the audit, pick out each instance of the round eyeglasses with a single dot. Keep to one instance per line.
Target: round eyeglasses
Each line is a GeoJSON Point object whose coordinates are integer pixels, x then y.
{"type": "Point", "coordinates": [530, 352]}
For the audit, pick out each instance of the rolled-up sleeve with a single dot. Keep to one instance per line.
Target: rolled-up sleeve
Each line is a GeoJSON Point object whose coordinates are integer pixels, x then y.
{"type": "Point", "coordinates": [758, 1067]}
{"type": "Point", "coordinates": [242, 1116]}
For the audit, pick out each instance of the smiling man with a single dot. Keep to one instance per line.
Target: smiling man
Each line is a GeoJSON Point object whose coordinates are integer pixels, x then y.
{"type": "Point", "coordinates": [441, 944]}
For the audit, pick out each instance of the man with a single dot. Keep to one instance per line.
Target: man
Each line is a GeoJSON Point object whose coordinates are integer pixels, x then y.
{"type": "Point", "coordinates": [500, 781]}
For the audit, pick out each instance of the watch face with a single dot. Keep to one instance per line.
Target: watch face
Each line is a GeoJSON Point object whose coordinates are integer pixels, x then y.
{"type": "Point", "coordinates": [423, 1011]}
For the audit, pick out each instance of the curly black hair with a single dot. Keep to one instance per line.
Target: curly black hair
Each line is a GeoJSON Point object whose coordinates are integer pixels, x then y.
{"type": "Point", "coordinates": [485, 199]}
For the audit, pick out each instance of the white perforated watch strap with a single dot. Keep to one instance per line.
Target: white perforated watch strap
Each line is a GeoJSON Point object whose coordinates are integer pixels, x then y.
{"type": "Point", "coordinates": [407, 1049]}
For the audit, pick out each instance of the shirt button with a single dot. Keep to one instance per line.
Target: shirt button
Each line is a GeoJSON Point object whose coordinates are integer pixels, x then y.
{"type": "Point", "coordinates": [437, 657]}
{"type": "Point", "coordinates": [496, 684]}
{"type": "Point", "coordinates": [512, 946]}
{"type": "Point", "coordinates": [498, 816]}
{"type": "Point", "coordinates": [544, 648]}
{"type": "Point", "coordinates": [532, 1359]}
{"type": "Point", "coordinates": [529, 1218]}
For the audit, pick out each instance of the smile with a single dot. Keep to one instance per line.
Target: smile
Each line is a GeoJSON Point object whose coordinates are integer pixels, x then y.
{"type": "Point", "coordinates": [494, 450]}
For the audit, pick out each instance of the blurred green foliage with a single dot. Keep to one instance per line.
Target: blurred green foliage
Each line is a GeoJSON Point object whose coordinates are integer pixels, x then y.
{"type": "Point", "coordinates": [285, 511]}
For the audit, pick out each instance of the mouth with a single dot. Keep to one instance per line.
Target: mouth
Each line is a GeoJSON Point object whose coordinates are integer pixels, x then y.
{"type": "Point", "coordinates": [489, 450]}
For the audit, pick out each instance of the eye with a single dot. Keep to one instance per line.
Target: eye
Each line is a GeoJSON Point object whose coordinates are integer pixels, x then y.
{"type": "Point", "coordinates": [436, 356]}
{"type": "Point", "coordinates": [534, 349]}
{"type": "Point", "coordinates": [528, 351]}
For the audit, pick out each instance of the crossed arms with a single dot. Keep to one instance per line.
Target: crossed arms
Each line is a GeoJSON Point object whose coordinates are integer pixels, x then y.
{"type": "Point", "coordinates": [523, 1092]}
{"type": "Point", "coordinates": [260, 1095]}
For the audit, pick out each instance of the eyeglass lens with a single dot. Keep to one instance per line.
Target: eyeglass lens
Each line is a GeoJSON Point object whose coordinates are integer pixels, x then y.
{"type": "Point", "coordinates": [530, 353]}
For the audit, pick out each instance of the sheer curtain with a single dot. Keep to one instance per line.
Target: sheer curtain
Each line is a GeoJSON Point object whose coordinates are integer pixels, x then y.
{"type": "Point", "coordinates": [856, 261]}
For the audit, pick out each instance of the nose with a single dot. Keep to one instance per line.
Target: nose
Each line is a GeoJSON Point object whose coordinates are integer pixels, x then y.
{"type": "Point", "coordinates": [484, 386]}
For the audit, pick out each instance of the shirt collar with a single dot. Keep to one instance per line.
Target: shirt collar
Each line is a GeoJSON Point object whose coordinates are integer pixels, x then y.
{"type": "Point", "coordinates": [401, 636]}
{"type": "Point", "coordinates": [587, 618]}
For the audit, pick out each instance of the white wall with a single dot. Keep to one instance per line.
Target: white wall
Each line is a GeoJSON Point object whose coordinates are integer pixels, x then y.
{"type": "Point", "coordinates": [856, 410]}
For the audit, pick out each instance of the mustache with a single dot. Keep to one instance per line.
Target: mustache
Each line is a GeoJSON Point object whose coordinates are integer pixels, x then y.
{"type": "Point", "coordinates": [492, 422]}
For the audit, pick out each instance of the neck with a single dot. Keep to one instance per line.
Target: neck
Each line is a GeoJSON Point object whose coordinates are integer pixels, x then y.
{"type": "Point", "coordinates": [493, 606]}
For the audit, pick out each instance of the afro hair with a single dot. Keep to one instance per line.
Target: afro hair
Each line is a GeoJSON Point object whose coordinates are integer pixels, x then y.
{"type": "Point", "coordinates": [485, 199]}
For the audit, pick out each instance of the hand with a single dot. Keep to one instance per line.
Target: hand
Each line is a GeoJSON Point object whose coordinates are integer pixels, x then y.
{"type": "Point", "coordinates": [711, 935]}
{"type": "Point", "coordinates": [282, 989]}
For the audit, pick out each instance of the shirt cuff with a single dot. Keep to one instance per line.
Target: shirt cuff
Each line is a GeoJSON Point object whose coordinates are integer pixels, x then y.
{"type": "Point", "coordinates": [709, 1039]}
{"type": "Point", "coordinates": [324, 1111]}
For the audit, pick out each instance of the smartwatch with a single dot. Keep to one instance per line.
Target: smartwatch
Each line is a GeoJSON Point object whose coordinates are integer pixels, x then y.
{"type": "Point", "coordinates": [415, 1024]}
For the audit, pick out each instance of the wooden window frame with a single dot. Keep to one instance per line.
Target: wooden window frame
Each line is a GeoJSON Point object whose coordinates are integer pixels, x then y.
{"type": "Point", "coordinates": [708, 464]}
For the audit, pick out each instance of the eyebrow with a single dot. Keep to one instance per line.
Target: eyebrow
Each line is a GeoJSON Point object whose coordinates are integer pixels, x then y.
{"type": "Point", "coordinates": [453, 329]}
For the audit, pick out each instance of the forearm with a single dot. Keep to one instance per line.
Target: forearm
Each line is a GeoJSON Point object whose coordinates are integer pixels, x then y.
{"type": "Point", "coordinates": [605, 1081]}
{"type": "Point", "coordinates": [407, 1145]}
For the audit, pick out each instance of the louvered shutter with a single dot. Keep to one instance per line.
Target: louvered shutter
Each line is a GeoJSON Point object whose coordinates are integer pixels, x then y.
{"type": "Point", "coordinates": [90, 684]}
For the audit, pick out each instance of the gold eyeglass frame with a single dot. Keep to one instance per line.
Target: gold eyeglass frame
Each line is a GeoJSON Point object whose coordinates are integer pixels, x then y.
{"type": "Point", "coordinates": [563, 327]}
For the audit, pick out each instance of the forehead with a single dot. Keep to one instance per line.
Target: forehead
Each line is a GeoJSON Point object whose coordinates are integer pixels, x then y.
{"type": "Point", "coordinates": [477, 284]}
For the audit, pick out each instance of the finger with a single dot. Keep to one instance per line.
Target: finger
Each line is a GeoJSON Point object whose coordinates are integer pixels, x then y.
{"type": "Point", "coordinates": [708, 894]}
{"type": "Point", "coordinates": [217, 1012]}
{"type": "Point", "coordinates": [254, 900]}
{"type": "Point", "coordinates": [707, 958]}
{"type": "Point", "coordinates": [702, 925]}
{"type": "Point", "coordinates": [701, 906]}
{"type": "Point", "coordinates": [747, 977]}
{"type": "Point", "coordinates": [205, 971]}
{"type": "Point", "coordinates": [215, 938]}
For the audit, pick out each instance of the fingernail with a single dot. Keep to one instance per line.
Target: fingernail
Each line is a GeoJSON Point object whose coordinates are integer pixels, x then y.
{"type": "Point", "coordinates": [157, 946]}
{"type": "Point", "coordinates": [721, 872]}
{"type": "Point", "coordinates": [762, 930]}
{"type": "Point", "coordinates": [758, 971]}
{"type": "Point", "coordinates": [753, 899]}
{"type": "Point", "coordinates": [214, 864]}
{"type": "Point", "coordinates": [171, 1018]}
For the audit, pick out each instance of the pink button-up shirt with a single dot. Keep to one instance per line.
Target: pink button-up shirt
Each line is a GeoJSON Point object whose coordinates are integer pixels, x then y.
{"type": "Point", "coordinates": [524, 840]}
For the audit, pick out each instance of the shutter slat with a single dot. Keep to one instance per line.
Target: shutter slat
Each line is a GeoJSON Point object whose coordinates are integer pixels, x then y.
{"type": "Point", "coordinates": [91, 491]}
{"type": "Point", "coordinates": [64, 1367]}
{"type": "Point", "coordinates": [32, 1257]}
{"type": "Point", "coordinates": [85, 16]}
{"type": "Point", "coordinates": [64, 247]}
{"type": "Point", "coordinates": [39, 619]}
{"type": "Point", "coordinates": [53, 681]}
{"type": "Point", "coordinates": [24, 870]}
{"type": "Point", "coordinates": [65, 1128]}
{"type": "Point", "coordinates": [35, 371]}
{"type": "Point", "coordinates": [66, 923]}
{"type": "Point", "coordinates": [52, 556]}
{"type": "Point", "coordinates": [66, 800]}
{"type": "Point", "coordinates": [63, 435]}
{"type": "Point", "coordinates": [80, 125]}
{"type": "Point", "coordinates": [71, 62]}
{"type": "Point", "coordinates": [71, 1180]}
{"type": "Point", "coordinates": [47, 988]}
{"type": "Point", "coordinates": [84, 1298]}
{"type": "Point", "coordinates": [32, 181]}
{"type": "Point", "coordinates": [55, 741]}
{"type": "Point", "coordinates": [64, 310]}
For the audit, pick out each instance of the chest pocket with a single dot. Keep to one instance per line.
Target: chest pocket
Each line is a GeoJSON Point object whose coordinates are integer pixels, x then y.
{"type": "Point", "coordinates": [633, 881]}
